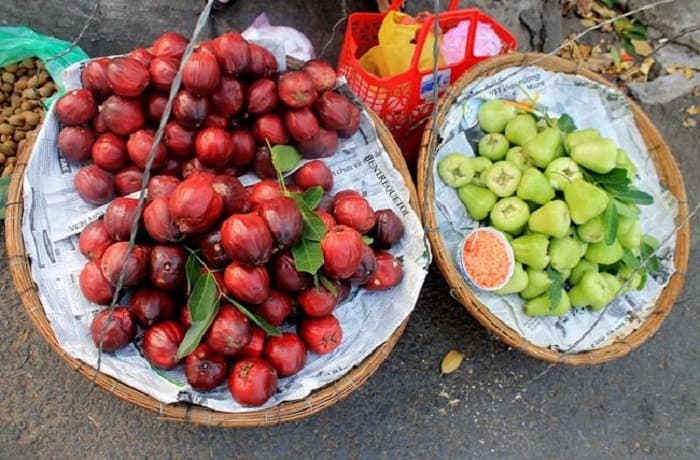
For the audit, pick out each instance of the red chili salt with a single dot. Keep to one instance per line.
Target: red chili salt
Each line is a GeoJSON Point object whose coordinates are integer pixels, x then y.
{"type": "Point", "coordinates": [485, 259]}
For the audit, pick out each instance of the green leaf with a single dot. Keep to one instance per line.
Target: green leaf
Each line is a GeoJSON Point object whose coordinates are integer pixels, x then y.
{"type": "Point", "coordinates": [566, 123]}
{"type": "Point", "coordinates": [615, 53]}
{"type": "Point", "coordinates": [4, 186]}
{"type": "Point", "coordinates": [643, 282]}
{"type": "Point", "coordinates": [637, 32]}
{"type": "Point", "coordinates": [653, 264]}
{"type": "Point", "coordinates": [367, 240]}
{"type": "Point", "coordinates": [646, 251]}
{"type": "Point", "coordinates": [626, 210]}
{"type": "Point", "coordinates": [313, 196]}
{"type": "Point", "coordinates": [609, 3]}
{"type": "Point", "coordinates": [610, 221]}
{"type": "Point", "coordinates": [627, 45]}
{"type": "Point", "coordinates": [284, 157]}
{"type": "Point", "coordinates": [651, 261]}
{"type": "Point", "coordinates": [204, 295]}
{"type": "Point", "coordinates": [264, 325]}
{"type": "Point", "coordinates": [167, 377]}
{"type": "Point", "coordinates": [193, 269]}
{"type": "Point", "coordinates": [328, 284]}
{"type": "Point", "coordinates": [630, 259]}
{"type": "Point", "coordinates": [650, 241]}
{"type": "Point", "coordinates": [633, 196]}
{"type": "Point", "coordinates": [616, 177]}
{"type": "Point", "coordinates": [204, 305]}
{"type": "Point", "coordinates": [555, 289]}
{"type": "Point", "coordinates": [308, 257]}
{"type": "Point", "coordinates": [314, 228]}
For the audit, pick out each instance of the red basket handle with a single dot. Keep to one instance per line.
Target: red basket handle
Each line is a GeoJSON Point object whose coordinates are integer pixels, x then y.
{"type": "Point", "coordinates": [428, 27]}
{"type": "Point", "coordinates": [396, 4]}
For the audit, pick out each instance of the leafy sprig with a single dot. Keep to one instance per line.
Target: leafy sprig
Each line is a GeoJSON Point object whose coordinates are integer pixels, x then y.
{"type": "Point", "coordinates": [556, 287]}
{"type": "Point", "coordinates": [610, 222]}
{"type": "Point", "coordinates": [619, 186]}
{"type": "Point", "coordinates": [204, 299]}
{"type": "Point", "coordinates": [307, 253]}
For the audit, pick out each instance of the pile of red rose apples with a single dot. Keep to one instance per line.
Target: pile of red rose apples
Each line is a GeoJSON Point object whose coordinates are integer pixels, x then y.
{"type": "Point", "coordinates": [219, 268]}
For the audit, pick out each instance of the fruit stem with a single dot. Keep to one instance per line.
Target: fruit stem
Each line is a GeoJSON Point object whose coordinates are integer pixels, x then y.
{"type": "Point", "coordinates": [194, 252]}
{"type": "Point", "coordinates": [280, 176]}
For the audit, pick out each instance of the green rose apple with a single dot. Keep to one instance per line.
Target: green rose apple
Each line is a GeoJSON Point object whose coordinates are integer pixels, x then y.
{"type": "Point", "coordinates": [629, 232]}
{"type": "Point", "coordinates": [480, 165]}
{"type": "Point", "coordinates": [510, 215]}
{"type": "Point", "coordinates": [585, 200]}
{"type": "Point", "coordinates": [516, 156]}
{"type": "Point", "coordinates": [562, 171]}
{"type": "Point", "coordinates": [544, 147]}
{"type": "Point", "coordinates": [516, 283]}
{"type": "Point", "coordinates": [598, 155]}
{"type": "Point", "coordinates": [577, 137]}
{"type": "Point", "coordinates": [521, 129]}
{"type": "Point", "coordinates": [629, 278]}
{"type": "Point", "coordinates": [494, 114]}
{"type": "Point", "coordinates": [535, 187]}
{"type": "Point", "coordinates": [503, 178]}
{"type": "Point", "coordinates": [594, 290]}
{"type": "Point", "coordinates": [531, 250]}
{"type": "Point", "coordinates": [604, 254]}
{"type": "Point", "coordinates": [582, 267]}
{"type": "Point", "coordinates": [493, 146]}
{"type": "Point", "coordinates": [582, 245]}
{"type": "Point", "coordinates": [564, 253]}
{"type": "Point", "coordinates": [551, 219]}
{"type": "Point", "coordinates": [537, 283]}
{"type": "Point", "coordinates": [593, 230]}
{"type": "Point", "coordinates": [613, 284]}
{"type": "Point", "coordinates": [478, 200]}
{"type": "Point", "coordinates": [542, 305]}
{"type": "Point", "coordinates": [455, 170]}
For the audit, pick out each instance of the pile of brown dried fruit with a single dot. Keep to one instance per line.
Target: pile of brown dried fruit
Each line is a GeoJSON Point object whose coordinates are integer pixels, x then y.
{"type": "Point", "coordinates": [23, 89]}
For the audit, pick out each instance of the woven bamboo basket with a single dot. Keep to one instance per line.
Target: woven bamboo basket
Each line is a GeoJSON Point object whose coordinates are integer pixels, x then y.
{"type": "Point", "coordinates": [284, 412]}
{"type": "Point", "coordinates": [668, 173]}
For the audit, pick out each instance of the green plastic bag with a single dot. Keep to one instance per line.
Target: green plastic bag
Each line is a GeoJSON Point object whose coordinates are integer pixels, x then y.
{"type": "Point", "coordinates": [18, 43]}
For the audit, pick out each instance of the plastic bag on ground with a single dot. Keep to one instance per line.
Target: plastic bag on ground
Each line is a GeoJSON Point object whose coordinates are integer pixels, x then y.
{"type": "Point", "coordinates": [296, 44]}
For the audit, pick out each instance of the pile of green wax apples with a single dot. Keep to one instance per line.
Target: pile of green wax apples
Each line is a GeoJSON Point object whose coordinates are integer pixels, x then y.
{"type": "Point", "coordinates": [564, 199]}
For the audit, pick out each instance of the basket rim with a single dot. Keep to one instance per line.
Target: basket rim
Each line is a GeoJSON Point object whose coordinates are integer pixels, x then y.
{"type": "Point", "coordinates": [286, 411]}
{"type": "Point", "coordinates": [669, 174]}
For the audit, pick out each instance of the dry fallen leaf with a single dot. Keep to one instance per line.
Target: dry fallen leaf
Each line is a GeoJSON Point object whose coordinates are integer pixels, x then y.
{"type": "Point", "coordinates": [583, 7]}
{"type": "Point", "coordinates": [642, 47]}
{"type": "Point", "coordinates": [693, 110]}
{"type": "Point", "coordinates": [688, 123]}
{"type": "Point", "coordinates": [688, 72]}
{"type": "Point", "coordinates": [696, 91]}
{"type": "Point", "coordinates": [631, 75]}
{"type": "Point", "coordinates": [588, 22]}
{"type": "Point", "coordinates": [599, 63]}
{"type": "Point", "coordinates": [451, 361]}
{"type": "Point", "coordinates": [599, 49]}
{"type": "Point", "coordinates": [581, 52]}
{"type": "Point", "coordinates": [646, 65]}
{"type": "Point", "coordinates": [603, 11]}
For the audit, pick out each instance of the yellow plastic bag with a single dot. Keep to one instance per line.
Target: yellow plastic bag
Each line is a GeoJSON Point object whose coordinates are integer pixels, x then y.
{"type": "Point", "coordinates": [397, 36]}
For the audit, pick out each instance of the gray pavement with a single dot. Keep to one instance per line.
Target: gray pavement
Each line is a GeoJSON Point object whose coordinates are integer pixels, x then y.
{"type": "Point", "coordinates": [642, 406]}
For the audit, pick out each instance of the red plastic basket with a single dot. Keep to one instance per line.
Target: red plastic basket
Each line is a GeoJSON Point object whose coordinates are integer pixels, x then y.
{"type": "Point", "coordinates": [404, 101]}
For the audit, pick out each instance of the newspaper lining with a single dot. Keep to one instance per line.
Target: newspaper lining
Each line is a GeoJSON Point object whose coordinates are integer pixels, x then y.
{"type": "Point", "coordinates": [54, 214]}
{"type": "Point", "coordinates": [591, 105]}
